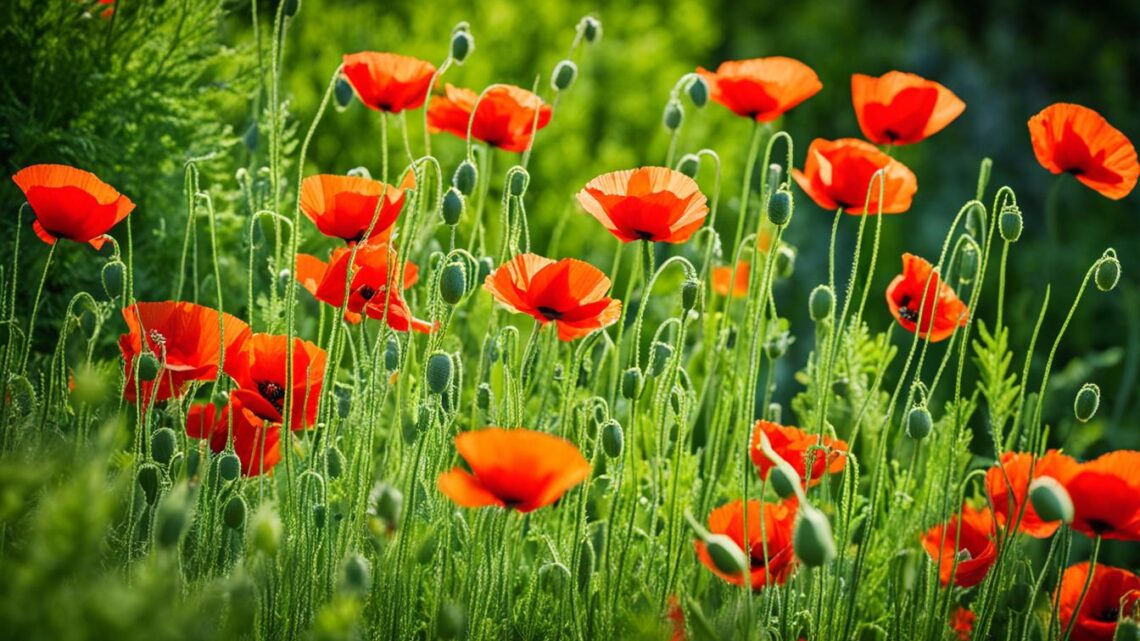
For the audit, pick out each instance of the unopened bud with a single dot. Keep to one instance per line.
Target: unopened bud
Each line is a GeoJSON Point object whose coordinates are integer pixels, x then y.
{"type": "Point", "coordinates": [565, 72]}
{"type": "Point", "coordinates": [148, 367]}
{"type": "Point", "coordinates": [112, 274]}
{"type": "Point", "coordinates": [591, 29]}
{"type": "Point", "coordinates": [1107, 271]}
{"type": "Point", "coordinates": [699, 91]}
{"type": "Point", "coordinates": [689, 165]}
{"type": "Point", "coordinates": [173, 517]}
{"type": "Point", "coordinates": [229, 466]}
{"type": "Point", "coordinates": [919, 423]}
{"type": "Point", "coordinates": [690, 293]}
{"type": "Point", "coordinates": [968, 263]}
{"type": "Point", "coordinates": [613, 439]}
{"type": "Point", "coordinates": [387, 503]}
{"type": "Point", "coordinates": [335, 461]}
{"type": "Point", "coordinates": [233, 514]}
{"type": "Point", "coordinates": [149, 481]}
{"type": "Point", "coordinates": [1087, 402]}
{"type": "Point", "coordinates": [453, 206]}
{"type": "Point", "coordinates": [484, 397]}
{"type": "Point", "coordinates": [343, 92]}
{"type": "Point", "coordinates": [632, 383]}
{"type": "Point", "coordinates": [662, 352]}
{"type": "Point", "coordinates": [674, 115]}
{"type": "Point", "coordinates": [162, 444]}
{"type": "Point", "coordinates": [453, 283]}
{"type": "Point", "coordinates": [462, 44]}
{"type": "Point", "coordinates": [726, 555]}
{"type": "Point", "coordinates": [465, 177]}
{"type": "Point", "coordinates": [821, 303]}
{"type": "Point", "coordinates": [812, 540]}
{"type": "Point", "coordinates": [1010, 223]}
{"type": "Point", "coordinates": [1050, 500]}
{"type": "Point", "coordinates": [520, 179]}
{"type": "Point", "coordinates": [439, 372]}
{"type": "Point", "coordinates": [357, 574]}
{"type": "Point", "coordinates": [780, 207]}
{"type": "Point", "coordinates": [785, 261]}
{"type": "Point", "coordinates": [392, 355]}
{"type": "Point", "coordinates": [784, 480]}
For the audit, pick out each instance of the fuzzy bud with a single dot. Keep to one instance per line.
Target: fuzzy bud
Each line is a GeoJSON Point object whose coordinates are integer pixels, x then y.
{"type": "Point", "coordinates": [812, 540]}
{"type": "Point", "coordinates": [486, 266]}
{"type": "Point", "coordinates": [1087, 402]}
{"type": "Point", "coordinates": [586, 560]}
{"type": "Point", "coordinates": [233, 514]}
{"type": "Point", "coordinates": [392, 355]}
{"type": "Point", "coordinates": [613, 439]}
{"type": "Point", "coordinates": [148, 367]}
{"type": "Point", "coordinates": [689, 165]}
{"type": "Point", "coordinates": [148, 479]}
{"type": "Point", "coordinates": [1107, 271]}
{"type": "Point", "coordinates": [229, 466]}
{"type": "Point", "coordinates": [780, 207]}
{"type": "Point", "coordinates": [1127, 629]}
{"type": "Point", "coordinates": [674, 115]}
{"type": "Point", "coordinates": [565, 72]}
{"type": "Point", "coordinates": [343, 92]}
{"type": "Point", "coordinates": [453, 206]}
{"type": "Point", "coordinates": [439, 368]}
{"type": "Point", "coordinates": [1050, 500]}
{"type": "Point", "coordinates": [784, 480]}
{"type": "Point", "coordinates": [632, 383]}
{"type": "Point", "coordinates": [484, 397]}
{"type": "Point", "coordinates": [821, 303]}
{"type": "Point", "coordinates": [112, 274]}
{"type": "Point", "coordinates": [335, 461]}
{"type": "Point", "coordinates": [357, 575]}
{"type": "Point", "coordinates": [699, 92]}
{"type": "Point", "coordinates": [662, 352]}
{"type": "Point", "coordinates": [453, 283]}
{"type": "Point", "coordinates": [919, 423]}
{"type": "Point", "coordinates": [465, 177]}
{"type": "Point", "coordinates": [591, 29]}
{"type": "Point", "coordinates": [388, 503]}
{"type": "Point", "coordinates": [553, 577]}
{"type": "Point", "coordinates": [1010, 223]}
{"type": "Point", "coordinates": [726, 555]}
{"type": "Point", "coordinates": [462, 44]}
{"type": "Point", "coordinates": [173, 517]}
{"type": "Point", "coordinates": [519, 181]}
{"type": "Point", "coordinates": [785, 261]}
{"type": "Point", "coordinates": [251, 137]}
{"type": "Point", "coordinates": [690, 293]}
{"type": "Point", "coordinates": [292, 7]}
{"type": "Point", "coordinates": [162, 445]}
{"type": "Point", "coordinates": [968, 263]}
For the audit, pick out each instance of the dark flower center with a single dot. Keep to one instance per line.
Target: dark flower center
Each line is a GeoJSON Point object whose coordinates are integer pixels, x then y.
{"type": "Point", "coordinates": [1100, 527]}
{"type": "Point", "coordinates": [273, 393]}
{"type": "Point", "coordinates": [1109, 614]}
{"type": "Point", "coordinates": [905, 312]}
{"type": "Point", "coordinates": [549, 313]}
{"type": "Point", "coordinates": [366, 292]}
{"type": "Point", "coordinates": [643, 235]}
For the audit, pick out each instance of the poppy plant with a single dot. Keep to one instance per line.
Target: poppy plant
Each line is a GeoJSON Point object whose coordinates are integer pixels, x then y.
{"type": "Point", "coordinates": [840, 174]}
{"type": "Point", "coordinates": [345, 206]}
{"type": "Point", "coordinates": [792, 444]}
{"type": "Point", "coordinates": [260, 371]}
{"type": "Point", "coordinates": [518, 469]}
{"type": "Point", "coordinates": [962, 623]}
{"type": "Point", "coordinates": [899, 108]}
{"type": "Point", "coordinates": [770, 527]}
{"type": "Point", "coordinates": [941, 312]}
{"type": "Point", "coordinates": [976, 551]}
{"type": "Point", "coordinates": [505, 117]}
{"type": "Point", "coordinates": [761, 88]}
{"type": "Point", "coordinates": [1106, 496]}
{"type": "Point", "coordinates": [568, 292]}
{"type": "Point", "coordinates": [256, 442]}
{"type": "Point", "coordinates": [1008, 485]}
{"type": "Point", "coordinates": [725, 283]}
{"type": "Point", "coordinates": [388, 81]}
{"type": "Point", "coordinates": [1111, 592]}
{"type": "Point", "coordinates": [651, 203]}
{"type": "Point", "coordinates": [71, 203]}
{"type": "Point", "coordinates": [1075, 139]}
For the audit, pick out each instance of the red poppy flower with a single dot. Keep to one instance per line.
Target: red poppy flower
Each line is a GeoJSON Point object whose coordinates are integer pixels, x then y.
{"type": "Point", "coordinates": [185, 338]}
{"type": "Point", "coordinates": [71, 203]}
{"type": "Point", "coordinates": [519, 469]}
{"type": "Point", "coordinates": [779, 521]}
{"type": "Point", "coordinates": [904, 296]}
{"type": "Point", "coordinates": [1080, 141]}
{"type": "Point", "coordinates": [260, 372]}
{"type": "Point", "coordinates": [761, 88]}
{"type": "Point", "coordinates": [1008, 490]}
{"type": "Point", "coordinates": [976, 550]}
{"type": "Point", "coordinates": [962, 623]}
{"type": "Point", "coordinates": [650, 203]}
{"type": "Point", "coordinates": [792, 444]}
{"type": "Point", "coordinates": [256, 442]}
{"type": "Point", "coordinates": [388, 81]}
{"type": "Point", "coordinates": [109, 11]}
{"type": "Point", "coordinates": [505, 118]}
{"type": "Point", "coordinates": [900, 108]}
{"type": "Point", "coordinates": [838, 174]}
{"type": "Point", "coordinates": [1111, 592]}
{"type": "Point", "coordinates": [1106, 496]}
{"type": "Point", "coordinates": [568, 292]}
{"type": "Point", "coordinates": [676, 616]}
{"type": "Point", "coordinates": [344, 206]}
{"type": "Point", "coordinates": [724, 283]}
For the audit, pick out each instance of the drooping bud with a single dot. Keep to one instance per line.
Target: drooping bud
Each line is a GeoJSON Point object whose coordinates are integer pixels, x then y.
{"type": "Point", "coordinates": [784, 480]}
{"type": "Point", "coordinates": [233, 514]}
{"type": "Point", "coordinates": [335, 461]}
{"type": "Point", "coordinates": [591, 29]}
{"type": "Point", "coordinates": [465, 177]}
{"type": "Point", "coordinates": [699, 91]}
{"type": "Point", "coordinates": [343, 93]}
{"type": "Point", "coordinates": [520, 179]}
{"type": "Point", "coordinates": [785, 261]}
{"type": "Point", "coordinates": [1010, 223]}
{"type": "Point", "coordinates": [674, 115]}
{"type": "Point", "coordinates": [149, 481]}
{"type": "Point", "coordinates": [613, 439]}
{"type": "Point", "coordinates": [565, 72]}
{"type": "Point", "coordinates": [112, 274]}
{"type": "Point", "coordinates": [1107, 271]}
{"type": "Point", "coordinates": [453, 283]}
{"type": "Point", "coordinates": [919, 423]}
{"type": "Point", "coordinates": [453, 206]}
{"type": "Point", "coordinates": [632, 383]}
{"type": "Point", "coordinates": [292, 7]}
{"type": "Point", "coordinates": [968, 263]}
{"type": "Point", "coordinates": [162, 444]}
{"type": "Point", "coordinates": [662, 352]}
{"type": "Point", "coordinates": [777, 346]}
{"type": "Point", "coordinates": [357, 575]}
{"type": "Point", "coordinates": [392, 355]}
{"type": "Point", "coordinates": [484, 396]}
{"type": "Point", "coordinates": [780, 207]}
{"type": "Point", "coordinates": [726, 555]}
{"type": "Point", "coordinates": [690, 293]}
{"type": "Point", "coordinates": [439, 372]}
{"type": "Point", "coordinates": [1087, 402]}
{"type": "Point", "coordinates": [821, 303]}
{"type": "Point", "coordinates": [689, 165]}
{"type": "Point", "coordinates": [229, 466]}
{"type": "Point", "coordinates": [462, 44]}
{"type": "Point", "coordinates": [1127, 629]}
{"type": "Point", "coordinates": [585, 564]}
{"type": "Point", "coordinates": [812, 540]}
{"type": "Point", "coordinates": [1050, 500]}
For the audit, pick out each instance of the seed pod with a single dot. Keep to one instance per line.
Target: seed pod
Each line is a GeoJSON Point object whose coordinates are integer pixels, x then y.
{"type": "Point", "coordinates": [565, 72]}
{"type": "Point", "coordinates": [591, 29]}
{"type": "Point", "coordinates": [690, 293]}
{"type": "Point", "coordinates": [632, 383]}
{"type": "Point", "coordinates": [919, 423]}
{"type": "Point", "coordinates": [462, 44]}
{"type": "Point", "coordinates": [784, 480]}
{"type": "Point", "coordinates": [439, 372]}
{"type": "Point", "coordinates": [785, 261]}
{"type": "Point", "coordinates": [1087, 402]}
{"type": "Point", "coordinates": [699, 92]}
{"type": "Point", "coordinates": [453, 206]}
{"type": "Point", "coordinates": [674, 115]}
{"type": "Point", "coordinates": [335, 462]}
{"type": "Point", "coordinates": [173, 517]}
{"type": "Point", "coordinates": [613, 438]}
{"type": "Point", "coordinates": [233, 514]}
{"type": "Point", "coordinates": [453, 283]}
{"type": "Point", "coordinates": [162, 444]}
{"type": "Point", "coordinates": [1010, 223]}
{"type": "Point", "coordinates": [1050, 500]}
{"type": "Point", "coordinates": [450, 621]}
{"type": "Point", "coordinates": [1107, 272]}
{"type": "Point", "coordinates": [520, 179]}
{"type": "Point", "coordinates": [726, 555]}
{"type": "Point", "coordinates": [392, 355]}
{"type": "Point", "coordinates": [112, 275]}
{"type": "Point", "coordinates": [149, 480]}
{"type": "Point", "coordinates": [780, 207]}
{"type": "Point", "coordinates": [357, 575]}
{"type": "Point", "coordinates": [689, 165]}
{"type": "Point", "coordinates": [821, 303]}
{"type": "Point", "coordinates": [812, 540]}
{"type": "Point", "coordinates": [148, 367]}
{"type": "Point", "coordinates": [585, 564]}
{"type": "Point", "coordinates": [229, 466]}
{"type": "Point", "coordinates": [265, 530]}
{"type": "Point", "coordinates": [484, 397]}
{"type": "Point", "coordinates": [465, 177]}
{"type": "Point", "coordinates": [553, 577]}
{"type": "Point", "coordinates": [343, 92]}
{"type": "Point", "coordinates": [662, 352]}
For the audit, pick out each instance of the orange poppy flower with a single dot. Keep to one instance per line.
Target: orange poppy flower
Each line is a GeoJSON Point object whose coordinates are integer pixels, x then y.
{"type": "Point", "coordinates": [1111, 592]}
{"type": "Point", "coordinates": [838, 174]}
{"type": "Point", "coordinates": [1106, 496]}
{"type": "Point", "coordinates": [260, 372]}
{"type": "Point", "coordinates": [779, 521]}
{"type": "Point", "coordinates": [1008, 490]}
{"type": "Point", "coordinates": [651, 203]}
{"type": "Point", "coordinates": [344, 206]}
{"type": "Point", "coordinates": [388, 81]}
{"type": "Point", "coordinates": [725, 284]}
{"type": "Point", "coordinates": [71, 203]}
{"type": "Point", "coordinates": [976, 550]}
{"type": "Point", "coordinates": [185, 338]}
{"type": "Point", "coordinates": [904, 296]}
{"type": "Point", "coordinates": [1078, 140]}
{"type": "Point", "coordinates": [568, 292]}
{"type": "Point", "coordinates": [792, 444]}
{"type": "Point", "coordinates": [900, 108]}
{"type": "Point", "coordinates": [962, 623]}
{"type": "Point", "coordinates": [761, 88]}
{"type": "Point", "coordinates": [256, 442]}
{"type": "Point", "coordinates": [519, 469]}
{"type": "Point", "coordinates": [505, 118]}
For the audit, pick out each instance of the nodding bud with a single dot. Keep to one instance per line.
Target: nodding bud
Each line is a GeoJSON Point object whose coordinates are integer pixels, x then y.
{"type": "Point", "coordinates": [967, 263]}
{"type": "Point", "coordinates": [343, 93]}
{"type": "Point", "coordinates": [453, 206]}
{"type": "Point", "coordinates": [591, 29]}
{"type": "Point", "coordinates": [173, 516]}
{"type": "Point", "coordinates": [553, 577]}
{"type": "Point", "coordinates": [148, 479]}
{"type": "Point", "coordinates": [662, 352]}
{"type": "Point", "coordinates": [689, 165]}
{"type": "Point", "coordinates": [632, 383]}
{"type": "Point", "coordinates": [585, 564]}
{"type": "Point", "coordinates": [450, 621]}
{"type": "Point", "coordinates": [699, 91]}
{"type": "Point", "coordinates": [520, 179]}
{"type": "Point", "coordinates": [565, 73]}
{"type": "Point", "coordinates": [360, 172]}
{"type": "Point", "coordinates": [392, 355]}
{"type": "Point", "coordinates": [919, 423]}
{"type": "Point", "coordinates": [148, 366]}
{"type": "Point", "coordinates": [1050, 500]}
{"type": "Point", "coordinates": [1087, 402]}
{"type": "Point", "coordinates": [462, 44]}
{"type": "Point", "coordinates": [229, 466]}
{"type": "Point", "coordinates": [690, 293]}
{"type": "Point", "coordinates": [1107, 271]}
{"type": "Point", "coordinates": [780, 207]}
{"type": "Point", "coordinates": [335, 461]}
{"type": "Point", "coordinates": [233, 514]}
{"type": "Point", "coordinates": [777, 346]}
{"type": "Point", "coordinates": [726, 555]}
{"type": "Point", "coordinates": [292, 7]}
{"type": "Point", "coordinates": [821, 303]}
{"type": "Point", "coordinates": [387, 503]}
{"type": "Point", "coordinates": [812, 540]}
{"type": "Point", "coordinates": [439, 372]}
{"type": "Point", "coordinates": [465, 177]}
{"type": "Point", "coordinates": [484, 397]}
{"type": "Point", "coordinates": [784, 481]}
{"type": "Point", "coordinates": [113, 278]}
{"type": "Point", "coordinates": [357, 575]}
{"type": "Point", "coordinates": [613, 438]}
{"type": "Point", "coordinates": [265, 530]}
{"type": "Point", "coordinates": [453, 283]}
{"type": "Point", "coordinates": [1010, 223]}
{"type": "Point", "coordinates": [162, 444]}
{"type": "Point", "coordinates": [486, 266]}
{"type": "Point", "coordinates": [674, 115]}
{"type": "Point", "coordinates": [785, 261]}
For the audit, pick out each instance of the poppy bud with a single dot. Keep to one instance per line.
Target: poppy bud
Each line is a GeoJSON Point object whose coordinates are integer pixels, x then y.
{"type": "Point", "coordinates": [357, 575]}
{"type": "Point", "coordinates": [690, 293]}
{"type": "Point", "coordinates": [520, 179]}
{"type": "Point", "coordinates": [919, 423]}
{"type": "Point", "coordinates": [1050, 500]}
{"type": "Point", "coordinates": [392, 355]}
{"type": "Point", "coordinates": [439, 372]}
{"type": "Point", "coordinates": [292, 7]}
{"type": "Point", "coordinates": [780, 207]}
{"type": "Point", "coordinates": [812, 540]}
{"type": "Point", "coordinates": [553, 577]}
{"type": "Point", "coordinates": [1107, 271]}
{"type": "Point", "coordinates": [613, 439]}
{"type": "Point", "coordinates": [674, 115]}
{"type": "Point", "coordinates": [389, 503]}
{"type": "Point", "coordinates": [462, 44]}
{"type": "Point", "coordinates": [1087, 402]}
{"type": "Point", "coordinates": [173, 517]}
{"type": "Point", "coordinates": [968, 263]}
{"type": "Point", "coordinates": [229, 466]}
{"type": "Point", "coordinates": [453, 283]}
{"type": "Point", "coordinates": [426, 551]}
{"type": "Point", "coordinates": [162, 444]}
{"type": "Point", "coordinates": [360, 172]}
{"type": "Point", "coordinates": [484, 397]}
{"type": "Point", "coordinates": [662, 352]}
{"type": "Point", "coordinates": [193, 460]}
{"type": "Point", "coordinates": [689, 165]}
{"type": "Point", "coordinates": [726, 555]}
{"type": "Point", "coordinates": [251, 136]}
{"type": "Point", "coordinates": [233, 514]}
{"type": "Point", "coordinates": [775, 412]}
{"type": "Point", "coordinates": [776, 347]}
{"type": "Point", "coordinates": [1010, 223]}
{"type": "Point", "coordinates": [453, 206]}
{"type": "Point", "coordinates": [820, 303]}
{"type": "Point", "coordinates": [220, 398]}
{"type": "Point", "coordinates": [783, 480]}
{"type": "Point", "coordinates": [450, 621]}
{"type": "Point", "coordinates": [265, 530]}
{"type": "Point", "coordinates": [1127, 630]}
{"type": "Point", "coordinates": [335, 461]}
{"type": "Point", "coordinates": [343, 92]}
{"type": "Point", "coordinates": [148, 479]}
{"type": "Point", "coordinates": [699, 92]}
{"type": "Point", "coordinates": [565, 72]}
{"type": "Point", "coordinates": [632, 383]}
{"type": "Point", "coordinates": [148, 367]}
{"type": "Point", "coordinates": [486, 266]}
{"type": "Point", "coordinates": [320, 515]}
{"type": "Point", "coordinates": [585, 564]}
{"type": "Point", "coordinates": [112, 274]}
{"type": "Point", "coordinates": [591, 29]}
{"type": "Point", "coordinates": [465, 177]}
{"type": "Point", "coordinates": [785, 261]}
{"type": "Point", "coordinates": [841, 386]}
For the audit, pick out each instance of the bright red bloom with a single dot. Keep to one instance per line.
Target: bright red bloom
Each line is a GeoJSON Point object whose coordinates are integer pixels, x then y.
{"type": "Point", "coordinates": [1111, 592]}
{"type": "Point", "coordinates": [71, 203]}
{"type": "Point", "coordinates": [1078, 140]}
{"type": "Point", "coordinates": [1106, 496]}
{"type": "Point", "coordinates": [761, 88]}
{"type": "Point", "coordinates": [1008, 491]}
{"type": "Point", "coordinates": [344, 206]}
{"type": "Point", "coordinates": [976, 550]}
{"type": "Point", "coordinates": [568, 292]}
{"type": "Point", "coordinates": [519, 469]}
{"type": "Point", "coordinates": [257, 442]}
{"type": "Point", "coordinates": [505, 118]}
{"type": "Point", "coordinates": [778, 524]}
{"type": "Point", "coordinates": [650, 203]}
{"type": "Point", "coordinates": [905, 296]}
{"type": "Point", "coordinates": [260, 372]}
{"type": "Point", "coordinates": [724, 283]}
{"type": "Point", "coordinates": [388, 81]}
{"type": "Point", "coordinates": [792, 444]}
{"type": "Point", "coordinates": [962, 623]}
{"type": "Point", "coordinates": [838, 174]}
{"type": "Point", "coordinates": [900, 108]}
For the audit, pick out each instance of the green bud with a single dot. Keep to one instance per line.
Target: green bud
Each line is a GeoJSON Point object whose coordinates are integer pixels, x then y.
{"type": "Point", "coordinates": [265, 530]}
{"type": "Point", "coordinates": [453, 283]}
{"type": "Point", "coordinates": [1050, 500]}
{"type": "Point", "coordinates": [486, 266]}
{"type": "Point", "coordinates": [821, 303]}
{"type": "Point", "coordinates": [689, 165]}
{"type": "Point", "coordinates": [462, 44]}
{"type": "Point", "coordinates": [967, 263]}
{"type": "Point", "coordinates": [162, 445]}
{"type": "Point", "coordinates": [465, 177]}
{"type": "Point", "coordinates": [1127, 630]}
{"type": "Point", "coordinates": [785, 261]}
{"type": "Point", "coordinates": [450, 621]}
{"type": "Point", "coordinates": [780, 207]}
{"type": "Point", "coordinates": [343, 92]}
{"type": "Point", "coordinates": [193, 461]}
{"type": "Point", "coordinates": [1087, 402]}
{"type": "Point", "coordinates": [251, 136]}
{"type": "Point", "coordinates": [565, 72]}
{"type": "Point", "coordinates": [1010, 223]}
{"type": "Point", "coordinates": [812, 540]}
{"type": "Point", "coordinates": [690, 293]}
{"type": "Point", "coordinates": [662, 352]}
{"type": "Point", "coordinates": [112, 274]}
{"type": "Point", "coordinates": [591, 29]}
{"type": "Point", "coordinates": [520, 179]}
{"type": "Point", "coordinates": [674, 115]}
{"type": "Point", "coordinates": [387, 503]}
{"type": "Point", "coordinates": [554, 577]}
{"type": "Point", "coordinates": [149, 479]}
{"type": "Point", "coordinates": [1107, 272]}
{"type": "Point", "coordinates": [726, 555]}
{"type": "Point", "coordinates": [233, 514]}
{"type": "Point", "coordinates": [1017, 599]}
{"type": "Point", "coordinates": [229, 466]}
{"type": "Point", "coordinates": [776, 346]}
{"type": "Point", "coordinates": [484, 397]}
{"type": "Point", "coordinates": [392, 355]}
{"type": "Point", "coordinates": [335, 462]}
{"type": "Point", "coordinates": [148, 367]}
{"type": "Point", "coordinates": [292, 7]}
{"type": "Point", "coordinates": [784, 480]}
{"type": "Point", "coordinates": [613, 438]}
{"type": "Point", "coordinates": [919, 423]}
{"type": "Point", "coordinates": [439, 372]}
{"type": "Point", "coordinates": [585, 564]}
{"type": "Point", "coordinates": [357, 575]}
{"type": "Point", "coordinates": [631, 383]}
{"type": "Point", "coordinates": [320, 515]}
{"type": "Point", "coordinates": [453, 206]}
{"type": "Point", "coordinates": [173, 517]}
{"type": "Point", "coordinates": [699, 92]}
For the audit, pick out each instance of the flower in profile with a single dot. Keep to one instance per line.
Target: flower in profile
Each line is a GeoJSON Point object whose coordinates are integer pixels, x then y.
{"type": "Point", "coordinates": [770, 527]}
{"type": "Point", "coordinates": [792, 444]}
{"type": "Point", "coordinates": [1111, 592]}
{"type": "Point", "coordinates": [962, 623]}
{"type": "Point", "coordinates": [761, 88]}
{"type": "Point", "coordinates": [260, 371]}
{"type": "Point", "coordinates": [967, 563]}
{"type": "Point", "coordinates": [838, 174]}
{"type": "Point", "coordinates": [1008, 488]}
{"type": "Point", "coordinates": [1106, 496]}
{"type": "Point", "coordinates": [1075, 139]}
{"type": "Point", "coordinates": [71, 203]}
{"type": "Point", "coordinates": [724, 283]}
{"type": "Point", "coordinates": [899, 108]}
{"type": "Point", "coordinates": [568, 292]}
{"type": "Point", "coordinates": [388, 81]}
{"type": "Point", "coordinates": [941, 312]}
{"type": "Point", "coordinates": [519, 469]}
{"type": "Point", "coordinates": [344, 206]}
{"type": "Point", "coordinates": [505, 117]}
{"type": "Point", "coordinates": [651, 203]}
{"type": "Point", "coordinates": [256, 442]}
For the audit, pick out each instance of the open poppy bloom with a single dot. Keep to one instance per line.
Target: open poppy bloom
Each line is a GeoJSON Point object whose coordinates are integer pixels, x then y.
{"type": "Point", "coordinates": [1075, 139]}
{"type": "Point", "coordinates": [505, 117]}
{"type": "Point", "coordinates": [260, 371]}
{"type": "Point", "coordinates": [792, 444]}
{"type": "Point", "coordinates": [257, 442]}
{"type": "Point", "coordinates": [1008, 490]}
{"type": "Point", "coordinates": [71, 203]}
{"type": "Point", "coordinates": [905, 296]}
{"type": "Point", "coordinates": [568, 292]}
{"type": "Point", "coordinates": [185, 338]}
{"type": "Point", "coordinates": [1111, 592]}
{"type": "Point", "coordinates": [976, 550]}
{"type": "Point", "coordinates": [651, 203]}
{"type": "Point", "coordinates": [519, 469]}
{"type": "Point", "coordinates": [1106, 496]}
{"type": "Point", "coordinates": [725, 284]}
{"type": "Point", "coordinates": [900, 108]}
{"type": "Point", "coordinates": [388, 81]}
{"type": "Point", "coordinates": [962, 623]}
{"type": "Point", "coordinates": [838, 174]}
{"type": "Point", "coordinates": [344, 206]}
{"type": "Point", "coordinates": [761, 88]}
{"type": "Point", "coordinates": [774, 535]}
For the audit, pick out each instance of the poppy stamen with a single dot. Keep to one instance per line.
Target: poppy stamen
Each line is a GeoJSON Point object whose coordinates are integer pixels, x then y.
{"type": "Point", "coordinates": [550, 313]}
{"type": "Point", "coordinates": [273, 393]}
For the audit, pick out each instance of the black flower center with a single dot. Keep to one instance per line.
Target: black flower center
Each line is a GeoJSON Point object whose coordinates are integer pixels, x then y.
{"type": "Point", "coordinates": [366, 292]}
{"type": "Point", "coordinates": [549, 313]}
{"type": "Point", "coordinates": [643, 235]}
{"type": "Point", "coordinates": [905, 312]}
{"type": "Point", "coordinates": [273, 393]}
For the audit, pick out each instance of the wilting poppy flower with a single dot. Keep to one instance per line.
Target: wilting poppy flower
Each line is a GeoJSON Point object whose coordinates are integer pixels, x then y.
{"type": "Point", "coordinates": [1078, 140]}
{"type": "Point", "coordinates": [1008, 490]}
{"type": "Point", "coordinates": [260, 371]}
{"type": "Point", "coordinates": [388, 81]}
{"type": "Point", "coordinates": [519, 469]}
{"type": "Point", "coordinates": [761, 88]}
{"type": "Point", "coordinates": [568, 292]}
{"type": "Point", "coordinates": [792, 444]}
{"type": "Point", "coordinates": [1111, 592]}
{"type": "Point", "coordinates": [504, 119]}
{"type": "Point", "coordinates": [976, 550]}
{"type": "Point", "coordinates": [838, 174]}
{"type": "Point", "coordinates": [905, 296]}
{"type": "Point", "coordinates": [900, 108]}
{"type": "Point", "coordinates": [962, 623]}
{"type": "Point", "coordinates": [344, 206]}
{"type": "Point", "coordinates": [1106, 496]}
{"type": "Point", "coordinates": [257, 442]}
{"type": "Point", "coordinates": [186, 340]}
{"type": "Point", "coordinates": [725, 284]}
{"type": "Point", "coordinates": [71, 203]}
{"type": "Point", "coordinates": [651, 203]}
{"type": "Point", "coordinates": [775, 536]}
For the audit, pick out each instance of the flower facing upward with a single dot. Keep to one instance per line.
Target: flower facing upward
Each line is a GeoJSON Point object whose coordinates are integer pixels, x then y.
{"type": "Point", "coordinates": [519, 469]}
{"type": "Point", "coordinates": [1078, 140]}
{"type": "Point", "coordinates": [1111, 592]}
{"type": "Point", "coordinates": [344, 206]}
{"type": "Point", "coordinates": [71, 203]}
{"type": "Point", "coordinates": [257, 442]}
{"type": "Point", "coordinates": [388, 81]}
{"type": "Point", "coordinates": [976, 551]}
{"type": "Point", "coordinates": [1106, 496]}
{"type": "Point", "coordinates": [761, 88]}
{"type": "Point", "coordinates": [505, 117]}
{"type": "Point", "coordinates": [651, 203]}
{"type": "Point", "coordinates": [1008, 487]}
{"type": "Point", "coordinates": [260, 371]}
{"type": "Point", "coordinates": [900, 108]}
{"type": "Point", "coordinates": [905, 296]}
{"type": "Point", "coordinates": [773, 536]}
{"type": "Point", "coordinates": [725, 284]}
{"type": "Point", "coordinates": [792, 444]}
{"type": "Point", "coordinates": [838, 174]}
{"type": "Point", "coordinates": [568, 292]}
